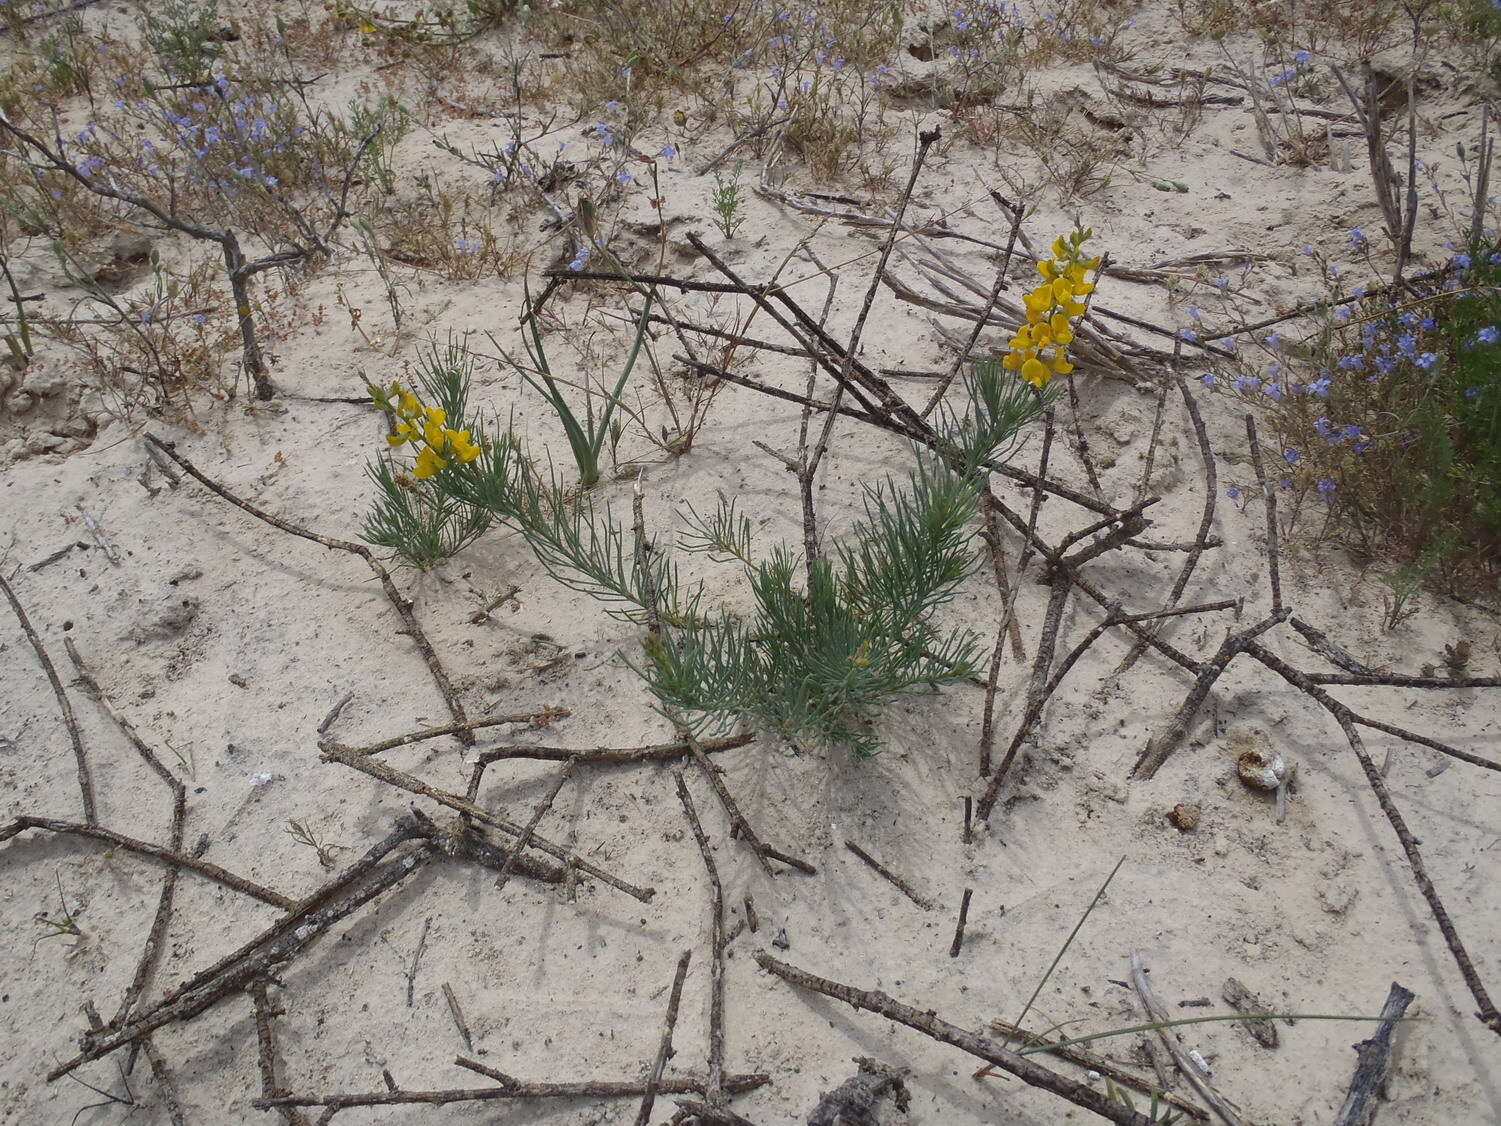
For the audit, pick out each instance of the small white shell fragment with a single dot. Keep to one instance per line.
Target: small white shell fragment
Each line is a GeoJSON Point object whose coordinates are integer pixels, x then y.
{"type": "Point", "coordinates": [261, 779]}
{"type": "Point", "coordinates": [303, 932]}
{"type": "Point", "coordinates": [1261, 768]}
{"type": "Point", "coordinates": [1258, 763]}
{"type": "Point", "coordinates": [1200, 1062]}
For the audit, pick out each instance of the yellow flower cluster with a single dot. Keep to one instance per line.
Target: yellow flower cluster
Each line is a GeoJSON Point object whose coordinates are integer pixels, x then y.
{"type": "Point", "coordinates": [1039, 350]}
{"type": "Point", "coordinates": [424, 427]}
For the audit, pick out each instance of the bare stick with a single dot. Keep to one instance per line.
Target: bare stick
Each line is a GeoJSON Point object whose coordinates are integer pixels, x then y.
{"type": "Point", "coordinates": [399, 602]}
{"type": "Point", "coordinates": [1017, 213]}
{"type": "Point", "coordinates": [266, 1055]}
{"type": "Point", "coordinates": [1228, 1112]}
{"type": "Point", "coordinates": [664, 1050]}
{"type": "Point", "coordinates": [1087, 1059]}
{"type": "Point", "coordinates": [958, 943]}
{"type": "Point", "coordinates": [1203, 539]}
{"type": "Point", "coordinates": [335, 752]}
{"type": "Point", "coordinates": [1158, 749]}
{"type": "Point", "coordinates": [411, 971]}
{"type": "Point", "coordinates": [1035, 708]}
{"type": "Point", "coordinates": [891, 877]}
{"type": "Point", "coordinates": [458, 1017]}
{"type": "Point", "coordinates": [984, 1048]}
{"type": "Point", "coordinates": [178, 791]}
{"type": "Point", "coordinates": [537, 814]}
{"type": "Point", "coordinates": [511, 1089]}
{"type": "Point", "coordinates": [85, 782]}
{"type": "Point", "coordinates": [155, 852]}
{"type": "Point", "coordinates": [658, 752]}
{"type": "Point", "coordinates": [1373, 1063]}
{"type": "Point", "coordinates": [281, 941]}
{"type": "Point", "coordinates": [739, 826]}
{"type": "Point", "coordinates": [546, 715]}
{"type": "Point", "coordinates": [715, 1092]}
{"type": "Point", "coordinates": [1270, 499]}
{"type": "Point", "coordinates": [1319, 642]}
{"type": "Point", "coordinates": [333, 713]}
{"type": "Point", "coordinates": [1309, 684]}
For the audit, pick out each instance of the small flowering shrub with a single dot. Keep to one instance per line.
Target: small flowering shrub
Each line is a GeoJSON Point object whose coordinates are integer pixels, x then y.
{"type": "Point", "coordinates": [831, 640]}
{"type": "Point", "coordinates": [1394, 429]}
{"type": "Point", "coordinates": [410, 516]}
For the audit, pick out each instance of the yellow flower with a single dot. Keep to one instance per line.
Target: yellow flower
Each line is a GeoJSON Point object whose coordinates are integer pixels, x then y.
{"type": "Point", "coordinates": [1012, 360]}
{"type": "Point", "coordinates": [1045, 268]}
{"type": "Point", "coordinates": [1060, 248]}
{"type": "Point", "coordinates": [1062, 290]}
{"type": "Point", "coordinates": [405, 432]}
{"type": "Point", "coordinates": [1040, 299]}
{"type": "Point", "coordinates": [460, 443]}
{"type": "Point", "coordinates": [1060, 363]}
{"type": "Point", "coordinates": [1035, 373]}
{"type": "Point", "coordinates": [436, 415]}
{"type": "Point", "coordinates": [428, 463]}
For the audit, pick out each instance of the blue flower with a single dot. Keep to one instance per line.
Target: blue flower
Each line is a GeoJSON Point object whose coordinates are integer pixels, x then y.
{"type": "Point", "coordinates": [1407, 344]}
{"type": "Point", "coordinates": [1287, 482]}
{"type": "Point", "coordinates": [1488, 335]}
{"type": "Point", "coordinates": [1352, 362]}
{"type": "Point", "coordinates": [1358, 239]}
{"type": "Point", "coordinates": [1325, 487]}
{"type": "Point", "coordinates": [1462, 261]}
{"type": "Point", "coordinates": [1189, 335]}
{"type": "Point", "coordinates": [1210, 379]}
{"type": "Point", "coordinates": [623, 176]}
{"type": "Point", "coordinates": [1272, 341]}
{"type": "Point", "coordinates": [1427, 360]}
{"type": "Point", "coordinates": [1245, 383]}
{"type": "Point", "coordinates": [1221, 283]}
{"type": "Point", "coordinates": [669, 152]}
{"type": "Point", "coordinates": [1301, 57]}
{"type": "Point", "coordinates": [1323, 429]}
{"type": "Point", "coordinates": [1233, 493]}
{"type": "Point", "coordinates": [1473, 392]}
{"type": "Point", "coordinates": [580, 260]}
{"type": "Point", "coordinates": [466, 245]}
{"type": "Point", "coordinates": [1292, 457]}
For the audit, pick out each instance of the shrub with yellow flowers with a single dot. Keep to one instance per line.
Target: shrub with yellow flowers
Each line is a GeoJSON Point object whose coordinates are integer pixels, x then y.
{"type": "Point", "coordinates": [425, 427]}
{"type": "Point", "coordinates": [1039, 350]}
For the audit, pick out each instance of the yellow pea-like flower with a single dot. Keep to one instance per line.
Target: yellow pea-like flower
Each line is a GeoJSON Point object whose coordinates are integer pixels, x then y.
{"type": "Point", "coordinates": [1023, 337]}
{"type": "Point", "coordinates": [1042, 336]}
{"type": "Point", "coordinates": [1060, 248]}
{"type": "Point", "coordinates": [432, 434]}
{"type": "Point", "coordinates": [1036, 373]}
{"type": "Point", "coordinates": [428, 463]}
{"type": "Point", "coordinates": [436, 415]}
{"type": "Point", "coordinates": [1045, 268]}
{"type": "Point", "coordinates": [463, 447]}
{"type": "Point", "coordinates": [1061, 364]}
{"type": "Point", "coordinates": [1012, 360]}
{"type": "Point", "coordinates": [1039, 300]}
{"type": "Point", "coordinates": [1062, 290]}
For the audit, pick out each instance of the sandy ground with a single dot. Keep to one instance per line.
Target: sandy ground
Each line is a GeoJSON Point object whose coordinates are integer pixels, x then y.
{"type": "Point", "coordinates": [227, 642]}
